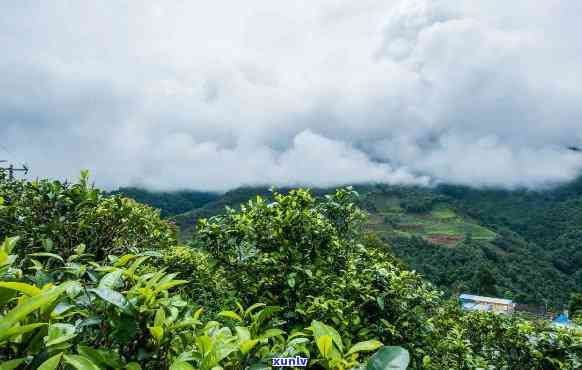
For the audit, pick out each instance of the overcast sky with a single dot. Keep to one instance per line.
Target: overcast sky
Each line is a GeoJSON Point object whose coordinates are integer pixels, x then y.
{"type": "Point", "coordinates": [212, 95]}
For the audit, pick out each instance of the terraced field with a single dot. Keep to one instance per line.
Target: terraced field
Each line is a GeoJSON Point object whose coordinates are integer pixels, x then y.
{"type": "Point", "coordinates": [441, 225]}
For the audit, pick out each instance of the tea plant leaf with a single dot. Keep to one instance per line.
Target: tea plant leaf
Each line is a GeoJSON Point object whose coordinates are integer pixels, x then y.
{"type": "Point", "coordinates": [52, 363]}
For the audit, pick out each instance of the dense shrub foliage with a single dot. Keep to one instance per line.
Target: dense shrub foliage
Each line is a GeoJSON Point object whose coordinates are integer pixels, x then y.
{"type": "Point", "coordinates": [112, 316]}
{"type": "Point", "coordinates": [51, 216]}
{"type": "Point", "coordinates": [96, 282]}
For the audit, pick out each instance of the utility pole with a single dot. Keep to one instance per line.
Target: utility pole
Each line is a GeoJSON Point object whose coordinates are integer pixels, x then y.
{"type": "Point", "coordinates": [11, 169]}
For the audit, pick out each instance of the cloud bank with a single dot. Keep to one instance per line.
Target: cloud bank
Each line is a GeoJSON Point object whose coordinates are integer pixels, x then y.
{"type": "Point", "coordinates": [174, 95]}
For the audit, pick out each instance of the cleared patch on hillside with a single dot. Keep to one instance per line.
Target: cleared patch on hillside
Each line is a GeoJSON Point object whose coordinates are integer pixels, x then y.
{"type": "Point", "coordinates": [440, 225]}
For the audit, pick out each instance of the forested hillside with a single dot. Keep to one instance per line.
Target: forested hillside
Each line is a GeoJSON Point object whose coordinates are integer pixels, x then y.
{"type": "Point", "coordinates": [525, 245]}
{"type": "Point", "coordinates": [168, 202]}
{"type": "Point", "coordinates": [93, 281]}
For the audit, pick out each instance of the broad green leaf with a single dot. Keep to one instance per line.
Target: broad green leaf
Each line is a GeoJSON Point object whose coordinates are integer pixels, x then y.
{"type": "Point", "coordinates": [247, 345]}
{"type": "Point", "coordinates": [101, 357]}
{"type": "Point", "coordinates": [171, 284]}
{"type": "Point", "coordinates": [123, 260]}
{"type": "Point", "coordinates": [242, 332]}
{"type": "Point", "coordinates": [291, 281]}
{"type": "Point", "coordinates": [230, 314]}
{"type": "Point", "coordinates": [27, 289]}
{"type": "Point", "coordinates": [80, 362]}
{"type": "Point", "coordinates": [12, 364]}
{"type": "Point", "coordinates": [52, 363]}
{"type": "Point", "coordinates": [131, 270]}
{"type": "Point", "coordinates": [111, 280]}
{"type": "Point", "coordinates": [260, 366]}
{"type": "Point", "coordinates": [47, 244]}
{"type": "Point", "coordinates": [157, 332]}
{"type": "Point", "coordinates": [29, 305]}
{"type": "Point", "coordinates": [181, 365]}
{"type": "Point", "coordinates": [198, 313]}
{"type": "Point", "coordinates": [320, 329]}
{"type": "Point", "coordinates": [19, 330]}
{"type": "Point", "coordinates": [133, 366]}
{"type": "Point", "coordinates": [204, 344]}
{"type": "Point", "coordinates": [324, 344]}
{"type": "Point", "coordinates": [252, 308]}
{"type": "Point", "coordinates": [389, 358]}
{"type": "Point", "coordinates": [9, 244]}
{"type": "Point", "coordinates": [160, 317]}
{"type": "Point", "coordinates": [367, 346]}
{"type": "Point", "coordinates": [59, 333]}
{"type": "Point", "coordinates": [272, 333]}
{"type": "Point", "coordinates": [113, 297]}
{"type": "Point", "coordinates": [46, 254]}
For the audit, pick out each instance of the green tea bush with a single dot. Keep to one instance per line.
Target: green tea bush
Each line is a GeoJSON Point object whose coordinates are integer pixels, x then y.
{"type": "Point", "coordinates": [312, 258]}
{"type": "Point", "coordinates": [112, 316]}
{"type": "Point", "coordinates": [55, 217]}
{"type": "Point", "coordinates": [208, 284]}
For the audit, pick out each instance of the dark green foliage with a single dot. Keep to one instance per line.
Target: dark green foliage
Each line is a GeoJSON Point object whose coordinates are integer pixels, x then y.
{"type": "Point", "coordinates": [169, 203]}
{"type": "Point", "coordinates": [484, 281]}
{"type": "Point", "coordinates": [575, 305]}
{"type": "Point", "coordinates": [55, 217]}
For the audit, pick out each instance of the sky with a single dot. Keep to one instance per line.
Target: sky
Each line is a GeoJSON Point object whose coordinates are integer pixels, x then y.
{"type": "Point", "coordinates": [203, 95]}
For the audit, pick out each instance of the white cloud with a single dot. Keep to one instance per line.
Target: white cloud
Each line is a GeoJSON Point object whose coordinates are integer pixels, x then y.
{"type": "Point", "coordinates": [183, 95]}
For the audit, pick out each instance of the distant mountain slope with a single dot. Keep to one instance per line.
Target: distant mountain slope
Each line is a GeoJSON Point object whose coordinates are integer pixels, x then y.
{"type": "Point", "coordinates": [521, 244]}
{"type": "Point", "coordinates": [169, 203]}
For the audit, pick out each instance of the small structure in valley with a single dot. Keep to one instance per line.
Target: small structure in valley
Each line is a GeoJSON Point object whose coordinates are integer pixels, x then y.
{"type": "Point", "coordinates": [474, 302]}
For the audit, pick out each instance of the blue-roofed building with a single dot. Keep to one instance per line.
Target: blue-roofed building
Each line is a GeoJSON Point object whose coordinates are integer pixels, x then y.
{"type": "Point", "coordinates": [472, 302]}
{"type": "Point", "coordinates": [562, 320]}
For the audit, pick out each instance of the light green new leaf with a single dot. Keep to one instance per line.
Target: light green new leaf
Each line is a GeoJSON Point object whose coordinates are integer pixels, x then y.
{"type": "Point", "coordinates": [123, 260]}
{"type": "Point", "coordinates": [320, 329]}
{"type": "Point", "coordinates": [18, 330]}
{"type": "Point", "coordinates": [242, 332]}
{"type": "Point", "coordinates": [29, 305]}
{"type": "Point", "coordinates": [271, 333]}
{"type": "Point", "coordinates": [52, 363]}
{"type": "Point", "coordinates": [9, 244]}
{"type": "Point", "coordinates": [46, 254]}
{"type": "Point", "coordinates": [133, 366]}
{"type": "Point", "coordinates": [27, 289]}
{"type": "Point", "coordinates": [171, 284]}
{"type": "Point", "coordinates": [230, 314]}
{"type": "Point", "coordinates": [160, 317]}
{"type": "Point", "coordinates": [247, 345]}
{"type": "Point", "coordinates": [252, 308]}
{"type": "Point", "coordinates": [181, 365]}
{"type": "Point", "coordinates": [367, 346]}
{"type": "Point", "coordinates": [12, 364]}
{"type": "Point", "coordinates": [157, 332]}
{"type": "Point", "coordinates": [324, 344]}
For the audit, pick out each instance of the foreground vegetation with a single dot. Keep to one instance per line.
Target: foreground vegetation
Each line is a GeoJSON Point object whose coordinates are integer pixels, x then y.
{"type": "Point", "coordinates": [89, 281]}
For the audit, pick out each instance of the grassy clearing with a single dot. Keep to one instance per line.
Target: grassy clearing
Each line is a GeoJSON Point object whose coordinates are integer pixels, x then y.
{"type": "Point", "coordinates": [443, 213]}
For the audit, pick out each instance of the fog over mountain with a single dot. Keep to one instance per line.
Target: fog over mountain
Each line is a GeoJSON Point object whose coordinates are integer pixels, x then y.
{"type": "Point", "coordinates": [215, 95]}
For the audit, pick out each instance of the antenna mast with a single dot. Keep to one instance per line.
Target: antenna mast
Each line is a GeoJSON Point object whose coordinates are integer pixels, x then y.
{"type": "Point", "coordinates": [11, 169]}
